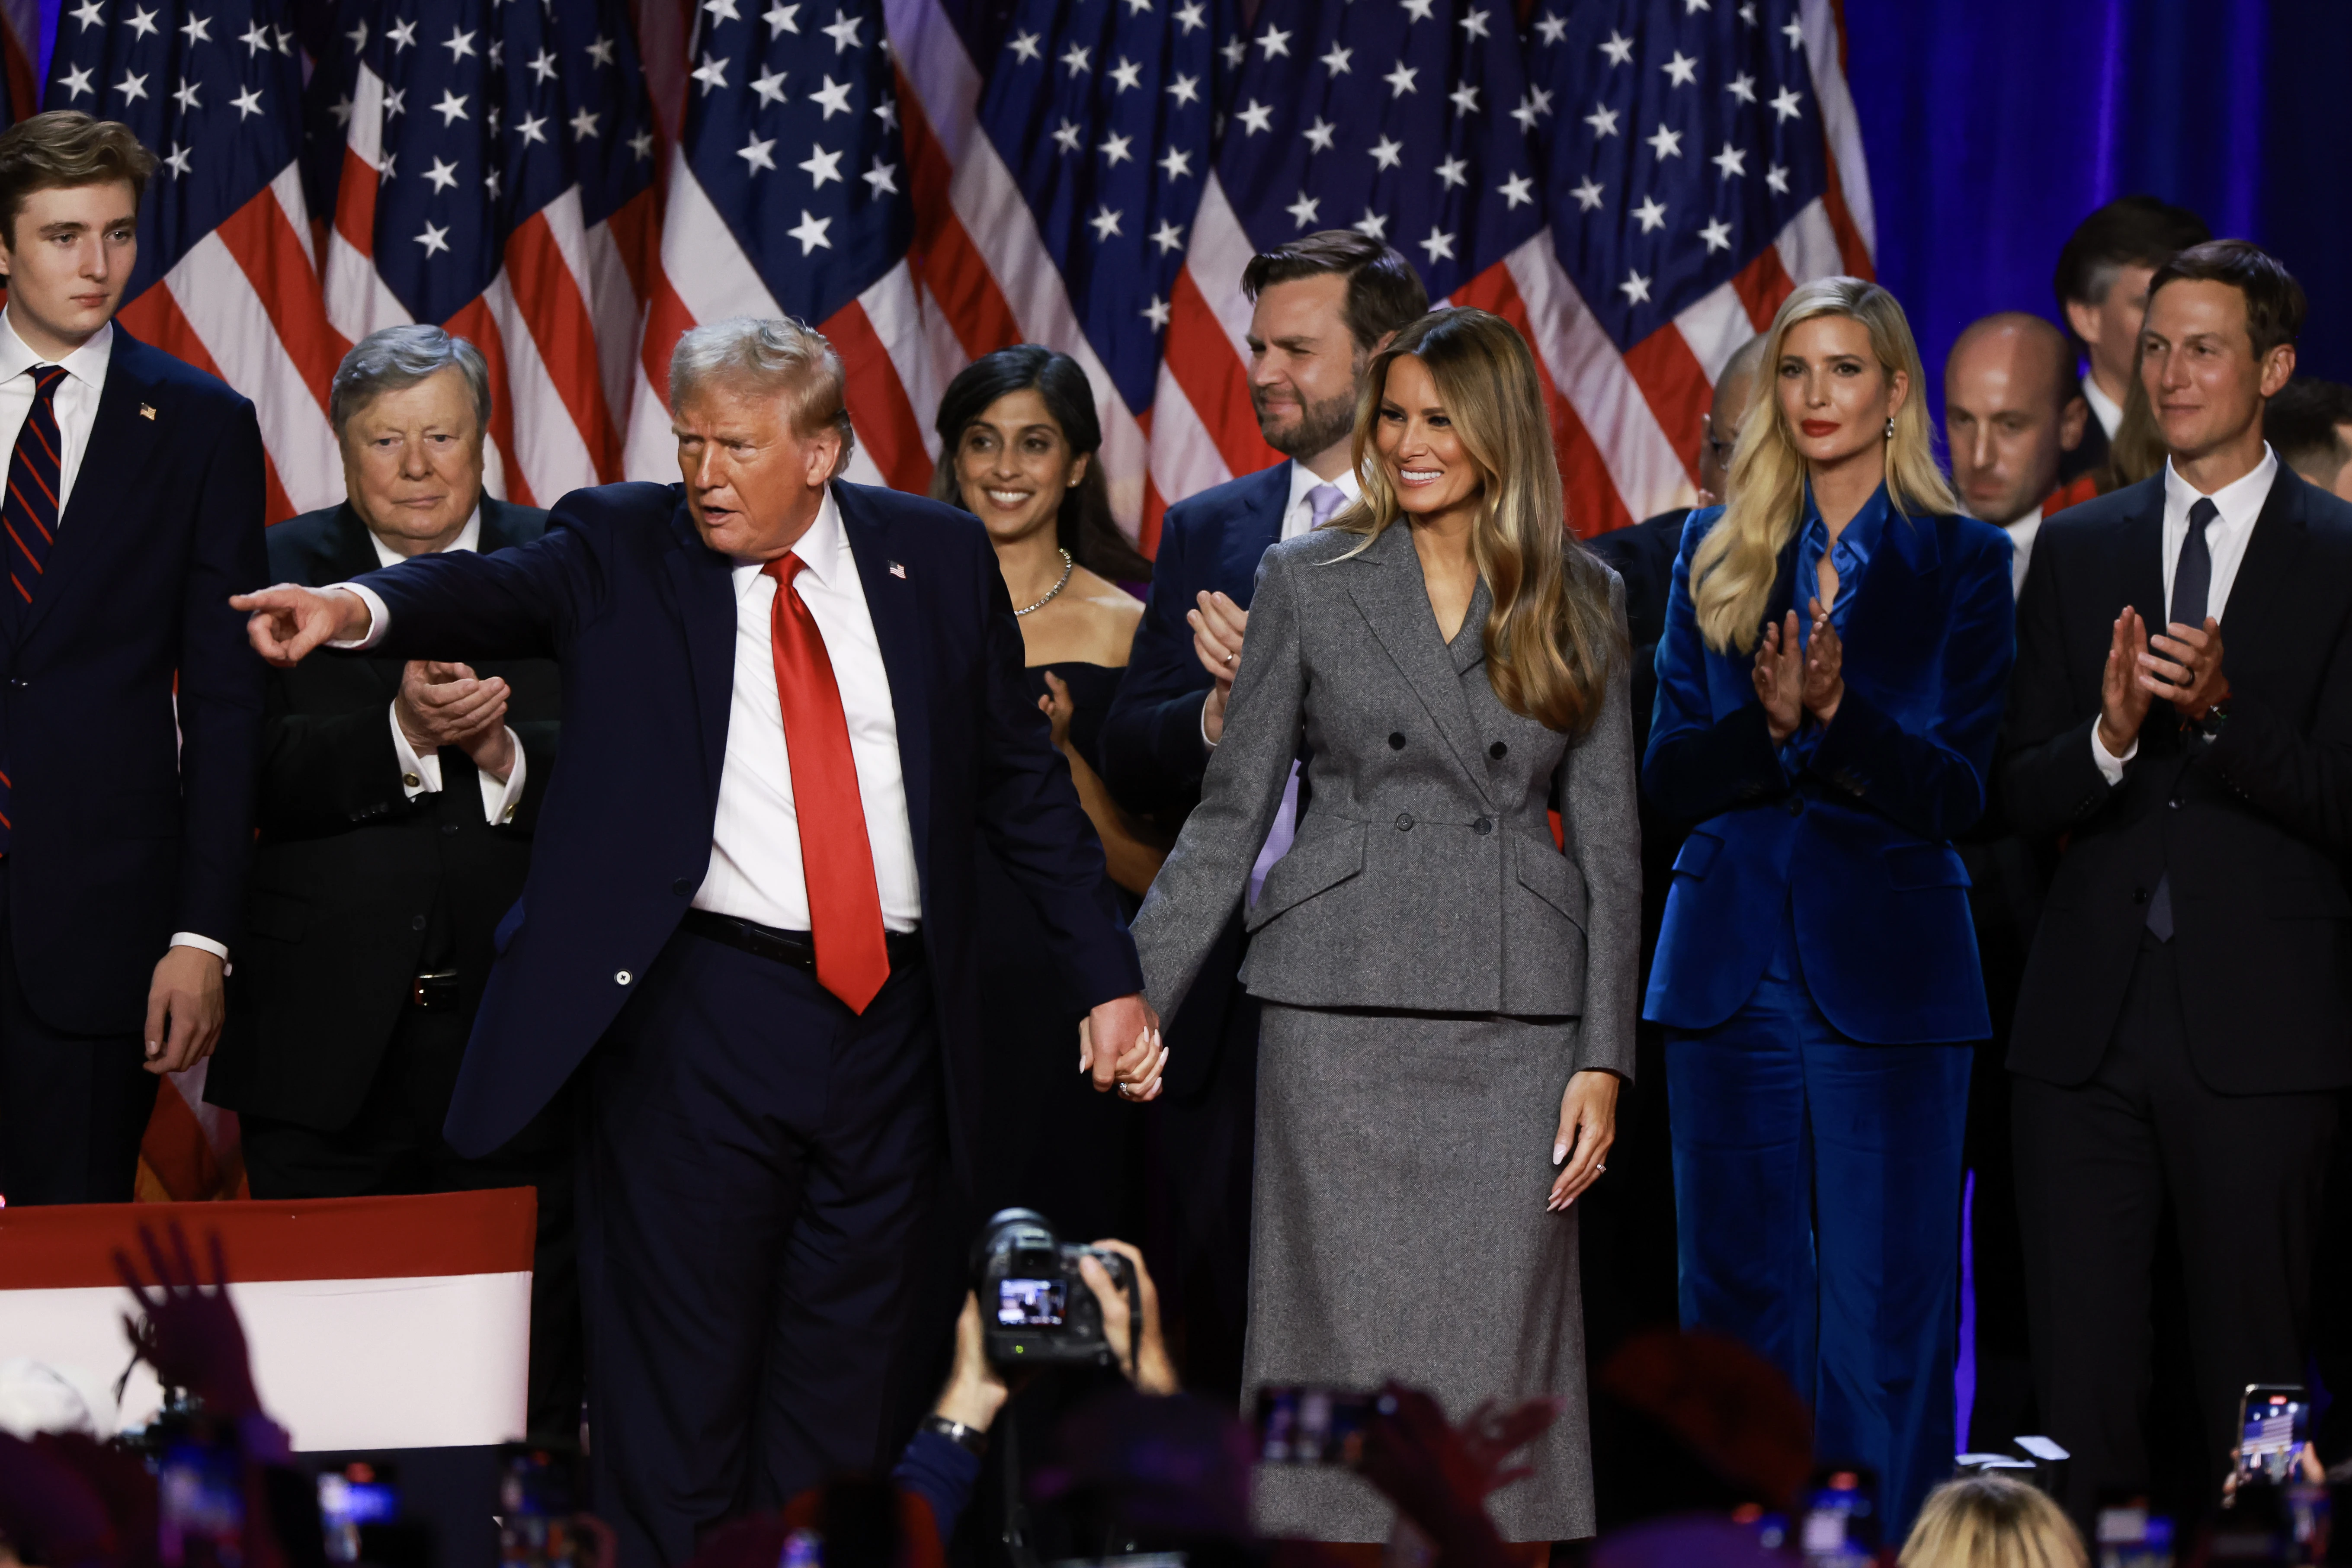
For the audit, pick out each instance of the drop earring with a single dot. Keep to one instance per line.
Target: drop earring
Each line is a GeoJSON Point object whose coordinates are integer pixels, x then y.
{"type": "Point", "coordinates": [1890, 428]}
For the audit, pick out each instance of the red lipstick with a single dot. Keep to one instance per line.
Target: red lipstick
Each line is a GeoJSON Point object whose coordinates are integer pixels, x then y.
{"type": "Point", "coordinates": [1818, 427]}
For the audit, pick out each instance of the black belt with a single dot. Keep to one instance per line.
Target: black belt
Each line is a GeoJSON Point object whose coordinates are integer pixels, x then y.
{"type": "Point", "coordinates": [797, 947]}
{"type": "Point", "coordinates": [435, 991]}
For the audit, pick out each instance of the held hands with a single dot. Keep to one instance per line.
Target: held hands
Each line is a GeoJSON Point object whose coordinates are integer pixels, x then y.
{"type": "Point", "coordinates": [2190, 676]}
{"type": "Point", "coordinates": [185, 1003]}
{"type": "Point", "coordinates": [287, 623]}
{"type": "Point", "coordinates": [1781, 678]}
{"type": "Point", "coordinates": [448, 705]}
{"type": "Point", "coordinates": [2124, 691]}
{"type": "Point", "coordinates": [1136, 1071]}
{"type": "Point", "coordinates": [1588, 1126]}
{"type": "Point", "coordinates": [1217, 630]}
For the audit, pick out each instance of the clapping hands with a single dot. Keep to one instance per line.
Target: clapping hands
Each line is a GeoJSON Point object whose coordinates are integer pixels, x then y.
{"type": "Point", "coordinates": [1798, 674]}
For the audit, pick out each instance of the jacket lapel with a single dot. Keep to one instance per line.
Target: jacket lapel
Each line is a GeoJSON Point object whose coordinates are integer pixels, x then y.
{"type": "Point", "coordinates": [97, 520]}
{"type": "Point", "coordinates": [899, 626]}
{"type": "Point", "coordinates": [2140, 551]}
{"type": "Point", "coordinates": [1390, 592]}
{"type": "Point", "coordinates": [706, 601]}
{"type": "Point", "coordinates": [2263, 595]}
{"type": "Point", "coordinates": [1256, 527]}
{"type": "Point", "coordinates": [349, 551]}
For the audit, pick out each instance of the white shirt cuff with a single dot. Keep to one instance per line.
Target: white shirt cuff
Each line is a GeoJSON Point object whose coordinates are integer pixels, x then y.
{"type": "Point", "coordinates": [379, 618]}
{"type": "Point", "coordinates": [499, 800]}
{"type": "Point", "coordinates": [202, 945]}
{"type": "Point", "coordinates": [2111, 767]}
{"type": "Point", "coordinates": [419, 775]}
{"type": "Point", "coordinates": [1206, 742]}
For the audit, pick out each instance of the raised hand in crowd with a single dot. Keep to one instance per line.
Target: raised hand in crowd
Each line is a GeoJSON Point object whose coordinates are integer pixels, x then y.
{"type": "Point", "coordinates": [2124, 693]}
{"type": "Point", "coordinates": [1439, 1476]}
{"type": "Point", "coordinates": [1217, 630]}
{"type": "Point", "coordinates": [288, 622]}
{"type": "Point", "coordinates": [1781, 678]}
{"type": "Point", "coordinates": [2190, 678]}
{"type": "Point", "coordinates": [189, 1334]}
{"type": "Point", "coordinates": [1142, 1350]}
{"type": "Point", "coordinates": [448, 705]}
{"type": "Point", "coordinates": [1825, 666]}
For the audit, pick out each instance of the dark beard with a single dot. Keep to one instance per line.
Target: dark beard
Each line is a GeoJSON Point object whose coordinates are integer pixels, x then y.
{"type": "Point", "coordinates": [1322, 425]}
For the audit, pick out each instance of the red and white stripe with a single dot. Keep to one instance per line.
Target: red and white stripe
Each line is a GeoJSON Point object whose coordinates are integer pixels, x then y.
{"type": "Point", "coordinates": [20, 54]}
{"type": "Point", "coordinates": [701, 275]}
{"type": "Point", "coordinates": [554, 325]}
{"type": "Point", "coordinates": [244, 304]}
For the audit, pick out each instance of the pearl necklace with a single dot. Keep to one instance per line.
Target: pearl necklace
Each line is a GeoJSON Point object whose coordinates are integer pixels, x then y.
{"type": "Point", "coordinates": [1068, 566]}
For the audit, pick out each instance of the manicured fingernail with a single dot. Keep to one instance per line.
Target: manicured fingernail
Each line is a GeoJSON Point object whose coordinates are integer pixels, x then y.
{"type": "Point", "coordinates": [1558, 1152]}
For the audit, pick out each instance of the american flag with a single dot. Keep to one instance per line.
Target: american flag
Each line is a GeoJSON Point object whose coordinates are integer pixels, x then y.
{"type": "Point", "coordinates": [226, 278]}
{"type": "Point", "coordinates": [498, 180]}
{"type": "Point", "coordinates": [788, 196]}
{"type": "Point", "coordinates": [1704, 159]}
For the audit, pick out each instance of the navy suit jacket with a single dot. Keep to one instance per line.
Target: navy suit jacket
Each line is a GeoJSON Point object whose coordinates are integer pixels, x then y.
{"type": "Point", "coordinates": [1858, 837]}
{"type": "Point", "coordinates": [1152, 757]}
{"type": "Point", "coordinates": [132, 816]}
{"type": "Point", "coordinates": [639, 615]}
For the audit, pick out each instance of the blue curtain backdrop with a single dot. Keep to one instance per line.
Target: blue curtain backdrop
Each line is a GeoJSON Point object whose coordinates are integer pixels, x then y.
{"type": "Point", "coordinates": [1993, 126]}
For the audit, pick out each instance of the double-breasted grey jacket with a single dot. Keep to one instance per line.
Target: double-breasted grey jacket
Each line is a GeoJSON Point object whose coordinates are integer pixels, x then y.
{"type": "Point", "coordinates": [1423, 875]}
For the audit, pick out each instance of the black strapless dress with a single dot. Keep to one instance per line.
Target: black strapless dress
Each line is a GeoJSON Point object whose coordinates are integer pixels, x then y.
{"type": "Point", "coordinates": [1049, 1143]}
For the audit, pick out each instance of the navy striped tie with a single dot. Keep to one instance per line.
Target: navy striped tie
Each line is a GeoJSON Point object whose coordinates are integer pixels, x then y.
{"type": "Point", "coordinates": [29, 513]}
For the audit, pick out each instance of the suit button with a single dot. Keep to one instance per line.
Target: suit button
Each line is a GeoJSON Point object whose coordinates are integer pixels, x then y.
{"type": "Point", "coordinates": [1404, 822]}
{"type": "Point", "coordinates": [1796, 805]}
{"type": "Point", "coordinates": [416, 924]}
{"type": "Point", "coordinates": [449, 828]}
{"type": "Point", "coordinates": [1499, 751]}
{"type": "Point", "coordinates": [2174, 803]}
{"type": "Point", "coordinates": [1483, 826]}
{"type": "Point", "coordinates": [2140, 895]}
{"type": "Point", "coordinates": [682, 887]}
{"type": "Point", "coordinates": [622, 978]}
{"type": "Point", "coordinates": [1396, 742]}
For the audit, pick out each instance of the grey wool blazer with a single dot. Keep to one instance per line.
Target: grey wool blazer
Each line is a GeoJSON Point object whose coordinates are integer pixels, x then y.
{"type": "Point", "coordinates": [1423, 875]}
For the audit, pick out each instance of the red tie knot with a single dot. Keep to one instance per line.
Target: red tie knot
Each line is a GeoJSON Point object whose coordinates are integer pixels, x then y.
{"type": "Point", "coordinates": [784, 568]}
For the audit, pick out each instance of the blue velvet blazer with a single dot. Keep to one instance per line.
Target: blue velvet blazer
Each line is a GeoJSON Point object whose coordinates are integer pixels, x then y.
{"type": "Point", "coordinates": [1853, 840]}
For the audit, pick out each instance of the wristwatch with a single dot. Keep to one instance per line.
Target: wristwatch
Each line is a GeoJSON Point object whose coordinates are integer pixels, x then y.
{"type": "Point", "coordinates": [970, 1438]}
{"type": "Point", "coordinates": [2216, 716]}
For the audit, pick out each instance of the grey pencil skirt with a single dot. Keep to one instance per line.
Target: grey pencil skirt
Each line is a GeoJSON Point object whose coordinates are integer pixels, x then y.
{"type": "Point", "coordinates": [1399, 1231]}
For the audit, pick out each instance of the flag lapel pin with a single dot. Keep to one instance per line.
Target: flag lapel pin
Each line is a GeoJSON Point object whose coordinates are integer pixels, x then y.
{"type": "Point", "coordinates": [897, 571]}
{"type": "Point", "coordinates": [146, 411]}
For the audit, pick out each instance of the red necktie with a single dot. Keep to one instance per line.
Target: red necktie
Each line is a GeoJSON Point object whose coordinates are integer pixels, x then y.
{"type": "Point", "coordinates": [837, 857]}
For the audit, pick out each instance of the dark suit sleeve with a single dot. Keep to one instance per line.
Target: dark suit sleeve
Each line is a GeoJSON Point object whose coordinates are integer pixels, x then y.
{"type": "Point", "coordinates": [2301, 779]}
{"type": "Point", "coordinates": [2048, 781]}
{"type": "Point", "coordinates": [1029, 811]}
{"type": "Point", "coordinates": [515, 603]}
{"type": "Point", "coordinates": [1151, 750]}
{"type": "Point", "coordinates": [538, 738]}
{"type": "Point", "coordinates": [220, 684]}
{"type": "Point", "coordinates": [1935, 784]}
{"type": "Point", "coordinates": [1698, 765]}
{"type": "Point", "coordinates": [322, 771]}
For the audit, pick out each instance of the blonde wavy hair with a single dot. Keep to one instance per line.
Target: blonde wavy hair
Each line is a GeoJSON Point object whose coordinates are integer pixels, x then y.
{"type": "Point", "coordinates": [1733, 570]}
{"type": "Point", "coordinates": [1989, 1521]}
{"type": "Point", "coordinates": [1551, 639]}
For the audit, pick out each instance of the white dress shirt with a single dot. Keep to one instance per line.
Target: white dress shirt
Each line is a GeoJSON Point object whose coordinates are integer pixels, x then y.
{"type": "Point", "coordinates": [2021, 544]}
{"type": "Point", "coordinates": [421, 774]}
{"type": "Point", "coordinates": [75, 404]}
{"type": "Point", "coordinates": [75, 401]}
{"type": "Point", "coordinates": [755, 844]}
{"type": "Point", "coordinates": [2109, 413]}
{"type": "Point", "coordinates": [2238, 503]}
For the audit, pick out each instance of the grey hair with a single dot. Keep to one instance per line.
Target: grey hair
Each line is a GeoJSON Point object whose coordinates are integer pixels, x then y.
{"type": "Point", "coordinates": [775, 355]}
{"type": "Point", "coordinates": [396, 359]}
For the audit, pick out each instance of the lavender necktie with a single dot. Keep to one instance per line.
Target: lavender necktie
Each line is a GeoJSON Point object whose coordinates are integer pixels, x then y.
{"type": "Point", "coordinates": [1322, 501]}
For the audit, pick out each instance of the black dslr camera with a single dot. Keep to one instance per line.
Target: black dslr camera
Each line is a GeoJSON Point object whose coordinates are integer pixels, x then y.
{"type": "Point", "coordinates": [1038, 1308]}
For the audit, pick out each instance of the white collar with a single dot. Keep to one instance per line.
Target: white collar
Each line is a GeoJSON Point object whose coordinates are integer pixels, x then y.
{"type": "Point", "coordinates": [2110, 413]}
{"type": "Point", "coordinates": [823, 551]}
{"type": "Point", "coordinates": [468, 538]}
{"type": "Point", "coordinates": [2239, 501]}
{"type": "Point", "coordinates": [2024, 526]}
{"type": "Point", "coordinates": [1304, 478]}
{"type": "Point", "coordinates": [86, 364]}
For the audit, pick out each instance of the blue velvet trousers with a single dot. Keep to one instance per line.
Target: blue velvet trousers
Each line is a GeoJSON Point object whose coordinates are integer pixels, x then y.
{"type": "Point", "coordinates": [1817, 1187]}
